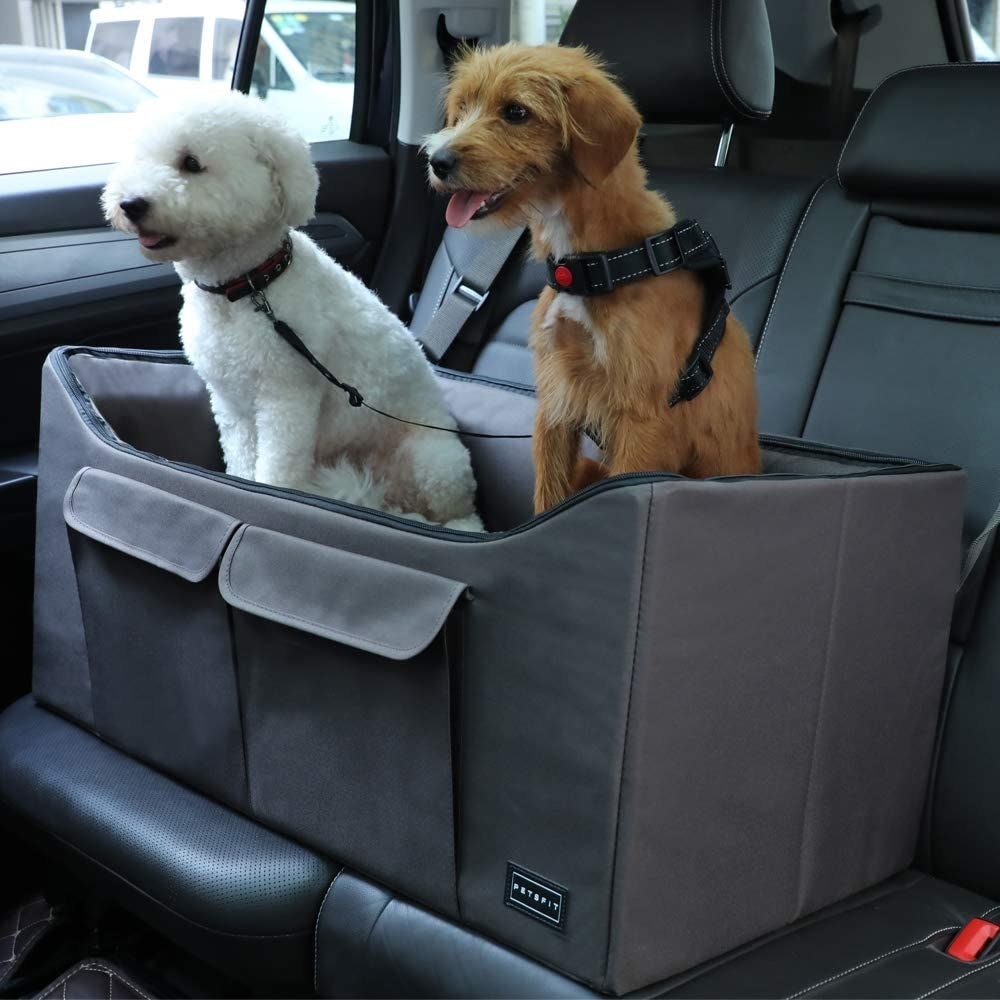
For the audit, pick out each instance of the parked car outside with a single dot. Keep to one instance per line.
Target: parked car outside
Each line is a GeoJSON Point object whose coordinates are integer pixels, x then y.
{"type": "Point", "coordinates": [60, 107]}
{"type": "Point", "coordinates": [305, 57]}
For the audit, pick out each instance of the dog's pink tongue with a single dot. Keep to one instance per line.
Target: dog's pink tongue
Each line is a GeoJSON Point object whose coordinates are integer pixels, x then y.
{"type": "Point", "coordinates": [150, 239]}
{"type": "Point", "coordinates": [463, 206]}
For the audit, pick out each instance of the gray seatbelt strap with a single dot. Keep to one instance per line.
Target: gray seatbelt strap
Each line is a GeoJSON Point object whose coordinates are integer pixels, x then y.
{"type": "Point", "coordinates": [466, 295]}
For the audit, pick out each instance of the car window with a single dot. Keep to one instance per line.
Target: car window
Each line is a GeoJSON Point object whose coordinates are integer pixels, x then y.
{"type": "Point", "coordinates": [175, 49]}
{"type": "Point", "coordinates": [537, 21]}
{"type": "Point", "coordinates": [114, 40]}
{"type": "Point", "coordinates": [227, 37]}
{"type": "Point", "coordinates": [984, 19]}
{"type": "Point", "coordinates": [310, 72]}
{"type": "Point", "coordinates": [62, 106]}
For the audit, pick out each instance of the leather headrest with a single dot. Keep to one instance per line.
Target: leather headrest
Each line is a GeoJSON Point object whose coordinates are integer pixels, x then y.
{"type": "Point", "coordinates": [700, 61]}
{"type": "Point", "coordinates": [928, 133]}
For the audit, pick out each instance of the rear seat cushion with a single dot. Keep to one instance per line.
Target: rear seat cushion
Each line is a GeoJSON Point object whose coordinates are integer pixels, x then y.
{"type": "Point", "coordinates": [228, 889]}
{"type": "Point", "coordinates": [888, 942]}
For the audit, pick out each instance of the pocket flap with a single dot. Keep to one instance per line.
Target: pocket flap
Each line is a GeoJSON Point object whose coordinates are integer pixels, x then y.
{"type": "Point", "coordinates": [379, 607]}
{"type": "Point", "coordinates": [150, 524]}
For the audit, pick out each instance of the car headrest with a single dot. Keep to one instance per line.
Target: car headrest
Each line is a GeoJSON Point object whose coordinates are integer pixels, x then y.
{"type": "Point", "coordinates": [691, 61]}
{"type": "Point", "coordinates": [927, 133]}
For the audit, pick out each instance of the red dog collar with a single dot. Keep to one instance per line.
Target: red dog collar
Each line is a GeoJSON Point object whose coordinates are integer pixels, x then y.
{"type": "Point", "coordinates": [260, 277]}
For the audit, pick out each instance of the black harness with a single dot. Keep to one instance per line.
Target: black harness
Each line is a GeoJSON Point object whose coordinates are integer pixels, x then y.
{"type": "Point", "coordinates": [686, 245]}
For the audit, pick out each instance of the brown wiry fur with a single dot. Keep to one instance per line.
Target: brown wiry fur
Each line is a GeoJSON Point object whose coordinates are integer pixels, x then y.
{"type": "Point", "coordinates": [572, 173]}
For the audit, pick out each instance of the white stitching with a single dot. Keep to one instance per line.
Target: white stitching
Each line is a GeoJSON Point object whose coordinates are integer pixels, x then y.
{"type": "Point", "coordinates": [788, 260]}
{"type": "Point", "coordinates": [749, 108]}
{"type": "Point", "coordinates": [701, 342]}
{"type": "Point", "coordinates": [871, 961]}
{"type": "Point", "coordinates": [649, 270]}
{"type": "Point", "coordinates": [633, 274]}
{"type": "Point", "coordinates": [958, 979]}
{"type": "Point", "coordinates": [992, 909]}
{"type": "Point", "coordinates": [316, 931]}
{"type": "Point", "coordinates": [892, 76]}
{"type": "Point", "coordinates": [628, 253]}
{"type": "Point", "coordinates": [449, 273]}
{"type": "Point", "coordinates": [90, 966]}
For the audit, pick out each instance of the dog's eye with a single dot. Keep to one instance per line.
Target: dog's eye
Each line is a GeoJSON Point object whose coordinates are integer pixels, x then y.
{"type": "Point", "coordinates": [190, 165]}
{"type": "Point", "coordinates": [515, 113]}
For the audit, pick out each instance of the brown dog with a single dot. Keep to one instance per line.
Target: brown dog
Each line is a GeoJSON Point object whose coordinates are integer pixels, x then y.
{"type": "Point", "coordinates": [542, 136]}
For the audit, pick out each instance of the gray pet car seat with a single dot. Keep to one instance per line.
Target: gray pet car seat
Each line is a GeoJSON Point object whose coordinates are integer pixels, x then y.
{"type": "Point", "coordinates": [579, 733]}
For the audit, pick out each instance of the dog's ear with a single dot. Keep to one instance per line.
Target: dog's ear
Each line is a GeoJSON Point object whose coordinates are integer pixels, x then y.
{"type": "Point", "coordinates": [603, 122]}
{"type": "Point", "coordinates": [286, 154]}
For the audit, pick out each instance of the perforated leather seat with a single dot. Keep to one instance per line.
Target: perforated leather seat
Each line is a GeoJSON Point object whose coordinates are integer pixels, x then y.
{"type": "Point", "coordinates": [227, 889]}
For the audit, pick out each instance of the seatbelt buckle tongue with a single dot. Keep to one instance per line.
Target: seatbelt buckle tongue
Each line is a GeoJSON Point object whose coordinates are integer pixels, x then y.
{"type": "Point", "coordinates": [470, 294]}
{"type": "Point", "coordinates": [970, 943]}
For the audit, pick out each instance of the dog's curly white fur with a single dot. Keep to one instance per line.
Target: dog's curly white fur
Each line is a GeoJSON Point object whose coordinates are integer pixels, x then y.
{"type": "Point", "coordinates": [221, 182]}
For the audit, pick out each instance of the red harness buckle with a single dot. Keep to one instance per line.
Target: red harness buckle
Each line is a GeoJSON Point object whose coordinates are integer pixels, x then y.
{"type": "Point", "coordinates": [972, 940]}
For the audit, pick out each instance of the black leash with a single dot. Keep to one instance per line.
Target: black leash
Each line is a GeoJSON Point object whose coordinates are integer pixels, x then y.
{"type": "Point", "coordinates": [290, 337]}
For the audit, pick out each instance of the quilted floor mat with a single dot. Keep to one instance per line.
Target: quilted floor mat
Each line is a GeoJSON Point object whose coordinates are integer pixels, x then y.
{"type": "Point", "coordinates": [94, 979]}
{"type": "Point", "coordinates": [20, 929]}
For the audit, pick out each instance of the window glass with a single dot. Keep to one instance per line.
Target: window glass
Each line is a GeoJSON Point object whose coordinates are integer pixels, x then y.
{"type": "Point", "coordinates": [538, 21]}
{"type": "Point", "coordinates": [69, 82]}
{"type": "Point", "coordinates": [114, 41]}
{"type": "Point", "coordinates": [984, 17]}
{"type": "Point", "coordinates": [227, 37]}
{"type": "Point", "coordinates": [311, 71]}
{"type": "Point", "coordinates": [281, 78]}
{"type": "Point", "coordinates": [175, 49]}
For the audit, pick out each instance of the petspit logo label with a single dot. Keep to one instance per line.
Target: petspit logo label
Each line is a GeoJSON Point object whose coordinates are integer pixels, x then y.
{"type": "Point", "coordinates": [538, 897]}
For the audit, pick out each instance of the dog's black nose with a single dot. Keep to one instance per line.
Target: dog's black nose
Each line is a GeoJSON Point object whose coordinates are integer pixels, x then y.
{"type": "Point", "coordinates": [443, 162]}
{"type": "Point", "coordinates": [134, 208]}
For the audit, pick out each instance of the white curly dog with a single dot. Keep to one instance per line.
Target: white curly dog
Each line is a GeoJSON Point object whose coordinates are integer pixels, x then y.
{"type": "Point", "coordinates": [217, 185]}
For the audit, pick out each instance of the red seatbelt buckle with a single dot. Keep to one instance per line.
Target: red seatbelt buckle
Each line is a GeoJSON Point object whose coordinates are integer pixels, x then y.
{"type": "Point", "coordinates": [972, 940]}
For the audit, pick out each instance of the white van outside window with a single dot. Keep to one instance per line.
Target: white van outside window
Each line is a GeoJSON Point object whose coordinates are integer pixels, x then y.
{"type": "Point", "coordinates": [115, 41]}
{"type": "Point", "coordinates": [304, 65]}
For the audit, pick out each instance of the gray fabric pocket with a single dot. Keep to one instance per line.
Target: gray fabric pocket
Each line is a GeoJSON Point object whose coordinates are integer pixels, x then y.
{"type": "Point", "coordinates": [157, 527]}
{"type": "Point", "coordinates": [157, 632]}
{"type": "Point", "coordinates": [347, 668]}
